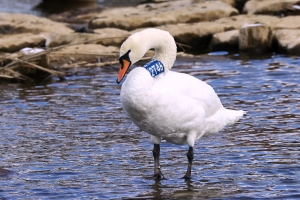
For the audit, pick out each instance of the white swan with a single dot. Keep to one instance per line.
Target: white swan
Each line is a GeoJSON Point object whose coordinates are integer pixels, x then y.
{"type": "Point", "coordinates": [177, 107]}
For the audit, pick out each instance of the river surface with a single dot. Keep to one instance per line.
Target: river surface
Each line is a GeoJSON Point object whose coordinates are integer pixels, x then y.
{"type": "Point", "coordinates": [71, 139]}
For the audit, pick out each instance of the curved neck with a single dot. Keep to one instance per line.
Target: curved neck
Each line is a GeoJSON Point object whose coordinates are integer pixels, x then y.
{"type": "Point", "coordinates": [165, 47]}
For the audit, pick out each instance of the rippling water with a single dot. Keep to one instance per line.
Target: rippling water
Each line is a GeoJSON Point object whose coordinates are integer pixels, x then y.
{"type": "Point", "coordinates": [71, 139]}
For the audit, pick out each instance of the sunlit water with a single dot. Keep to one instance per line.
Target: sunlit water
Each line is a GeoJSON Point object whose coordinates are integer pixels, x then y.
{"type": "Point", "coordinates": [71, 139]}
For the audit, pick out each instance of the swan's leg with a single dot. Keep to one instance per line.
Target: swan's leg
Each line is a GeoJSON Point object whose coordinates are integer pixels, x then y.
{"type": "Point", "coordinates": [190, 154]}
{"type": "Point", "coordinates": [156, 152]}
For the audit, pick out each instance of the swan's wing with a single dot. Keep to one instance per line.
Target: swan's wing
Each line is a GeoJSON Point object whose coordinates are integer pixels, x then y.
{"type": "Point", "coordinates": [185, 86]}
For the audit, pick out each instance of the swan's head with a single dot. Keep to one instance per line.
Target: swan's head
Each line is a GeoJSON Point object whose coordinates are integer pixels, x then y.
{"type": "Point", "coordinates": [131, 51]}
{"type": "Point", "coordinates": [136, 45]}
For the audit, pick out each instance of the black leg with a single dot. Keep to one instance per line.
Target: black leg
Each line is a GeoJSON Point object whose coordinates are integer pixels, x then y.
{"type": "Point", "coordinates": [190, 156]}
{"type": "Point", "coordinates": [157, 172]}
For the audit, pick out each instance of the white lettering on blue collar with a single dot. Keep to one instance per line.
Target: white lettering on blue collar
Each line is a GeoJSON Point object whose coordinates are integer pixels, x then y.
{"type": "Point", "coordinates": [155, 67]}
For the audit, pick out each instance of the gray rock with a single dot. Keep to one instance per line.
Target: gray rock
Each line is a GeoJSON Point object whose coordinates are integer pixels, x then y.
{"type": "Point", "coordinates": [151, 15]}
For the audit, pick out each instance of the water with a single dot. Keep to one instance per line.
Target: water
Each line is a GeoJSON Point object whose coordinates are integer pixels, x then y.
{"type": "Point", "coordinates": [71, 139]}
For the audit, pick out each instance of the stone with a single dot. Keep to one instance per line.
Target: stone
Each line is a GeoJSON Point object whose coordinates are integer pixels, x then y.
{"type": "Point", "coordinates": [15, 42]}
{"type": "Point", "coordinates": [290, 22]}
{"type": "Point", "coordinates": [236, 22]}
{"type": "Point", "coordinates": [24, 23]}
{"type": "Point", "coordinates": [268, 6]}
{"type": "Point", "coordinates": [152, 15]}
{"type": "Point", "coordinates": [228, 40]}
{"type": "Point", "coordinates": [113, 36]}
{"type": "Point", "coordinates": [81, 52]}
{"type": "Point", "coordinates": [256, 38]}
{"type": "Point", "coordinates": [106, 36]}
{"type": "Point", "coordinates": [288, 40]}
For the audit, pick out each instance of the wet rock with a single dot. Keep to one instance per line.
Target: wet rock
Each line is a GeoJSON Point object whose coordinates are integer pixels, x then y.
{"type": "Point", "coordinates": [255, 38]}
{"type": "Point", "coordinates": [288, 40]}
{"type": "Point", "coordinates": [228, 40]}
{"type": "Point", "coordinates": [106, 36]}
{"type": "Point", "coordinates": [15, 42]}
{"type": "Point", "coordinates": [151, 15]}
{"type": "Point", "coordinates": [276, 7]}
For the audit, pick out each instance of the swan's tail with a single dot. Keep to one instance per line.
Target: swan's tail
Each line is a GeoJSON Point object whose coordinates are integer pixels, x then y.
{"type": "Point", "coordinates": [233, 116]}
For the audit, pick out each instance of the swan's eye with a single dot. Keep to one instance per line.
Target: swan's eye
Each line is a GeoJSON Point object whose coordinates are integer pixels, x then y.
{"type": "Point", "coordinates": [124, 57]}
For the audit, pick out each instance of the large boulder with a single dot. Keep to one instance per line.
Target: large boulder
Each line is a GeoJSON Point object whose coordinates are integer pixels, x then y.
{"type": "Point", "coordinates": [151, 15]}
{"type": "Point", "coordinates": [268, 6]}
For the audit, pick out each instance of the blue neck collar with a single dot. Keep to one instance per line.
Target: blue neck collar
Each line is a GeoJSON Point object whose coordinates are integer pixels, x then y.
{"type": "Point", "coordinates": [154, 67]}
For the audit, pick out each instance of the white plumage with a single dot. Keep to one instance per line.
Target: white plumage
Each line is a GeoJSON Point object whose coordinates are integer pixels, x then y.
{"type": "Point", "coordinates": [175, 106]}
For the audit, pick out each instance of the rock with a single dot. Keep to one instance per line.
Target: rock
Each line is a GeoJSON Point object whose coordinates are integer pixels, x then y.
{"type": "Point", "coordinates": [15, 42]}
{"type": "Point", "coordinates": [109, 33]}
{"type": "Point", "coordinates": [151, 15]}
{"type": "Point", "coordinates": [290, 22]}
{"type": "Point", "coordinates": [230, 2]}
{"type": "Point", "coordinates": [197, 35]}
{"type": "Point", "coordinates": [268, 6]}
{"type": "Point", "coordinates": [106, 36]}
{"type": "Point", "coordinates": [18, 31]}
{"type": "Point", "coordinates": [81, 52]}
{"type": "Point", "coordinates": [255, 38]}
{"type": "Point", "coordinates": [228, 40]}
{"type": "Point", "coordinates": [288, 40]}
{"type": "Point", "coordinates": [23, 23]}
{"type": "Point", "coordinates": [236, 22]}
{"type": "Point", "coordinates": [76, 16]}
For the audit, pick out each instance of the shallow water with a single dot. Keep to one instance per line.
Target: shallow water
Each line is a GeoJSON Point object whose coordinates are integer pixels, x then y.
{"type": "Point", "coordinates": [71, 139]}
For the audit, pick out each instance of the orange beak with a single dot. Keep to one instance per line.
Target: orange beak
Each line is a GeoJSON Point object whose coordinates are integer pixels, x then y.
{"type": "Point", "coordinates": [125, 64]}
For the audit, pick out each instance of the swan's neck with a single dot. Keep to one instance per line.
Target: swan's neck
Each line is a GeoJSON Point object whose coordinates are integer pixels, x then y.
{"type": "Point", "coordinates": [165, 48]}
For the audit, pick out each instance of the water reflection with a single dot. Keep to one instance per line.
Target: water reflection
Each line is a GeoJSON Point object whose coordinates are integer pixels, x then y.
{"type": "Point", "coordinates": [71, 139]}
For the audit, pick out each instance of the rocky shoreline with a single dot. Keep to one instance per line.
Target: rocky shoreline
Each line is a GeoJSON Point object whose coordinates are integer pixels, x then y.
{"type": "Point", "coordinates": [202, 26]}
